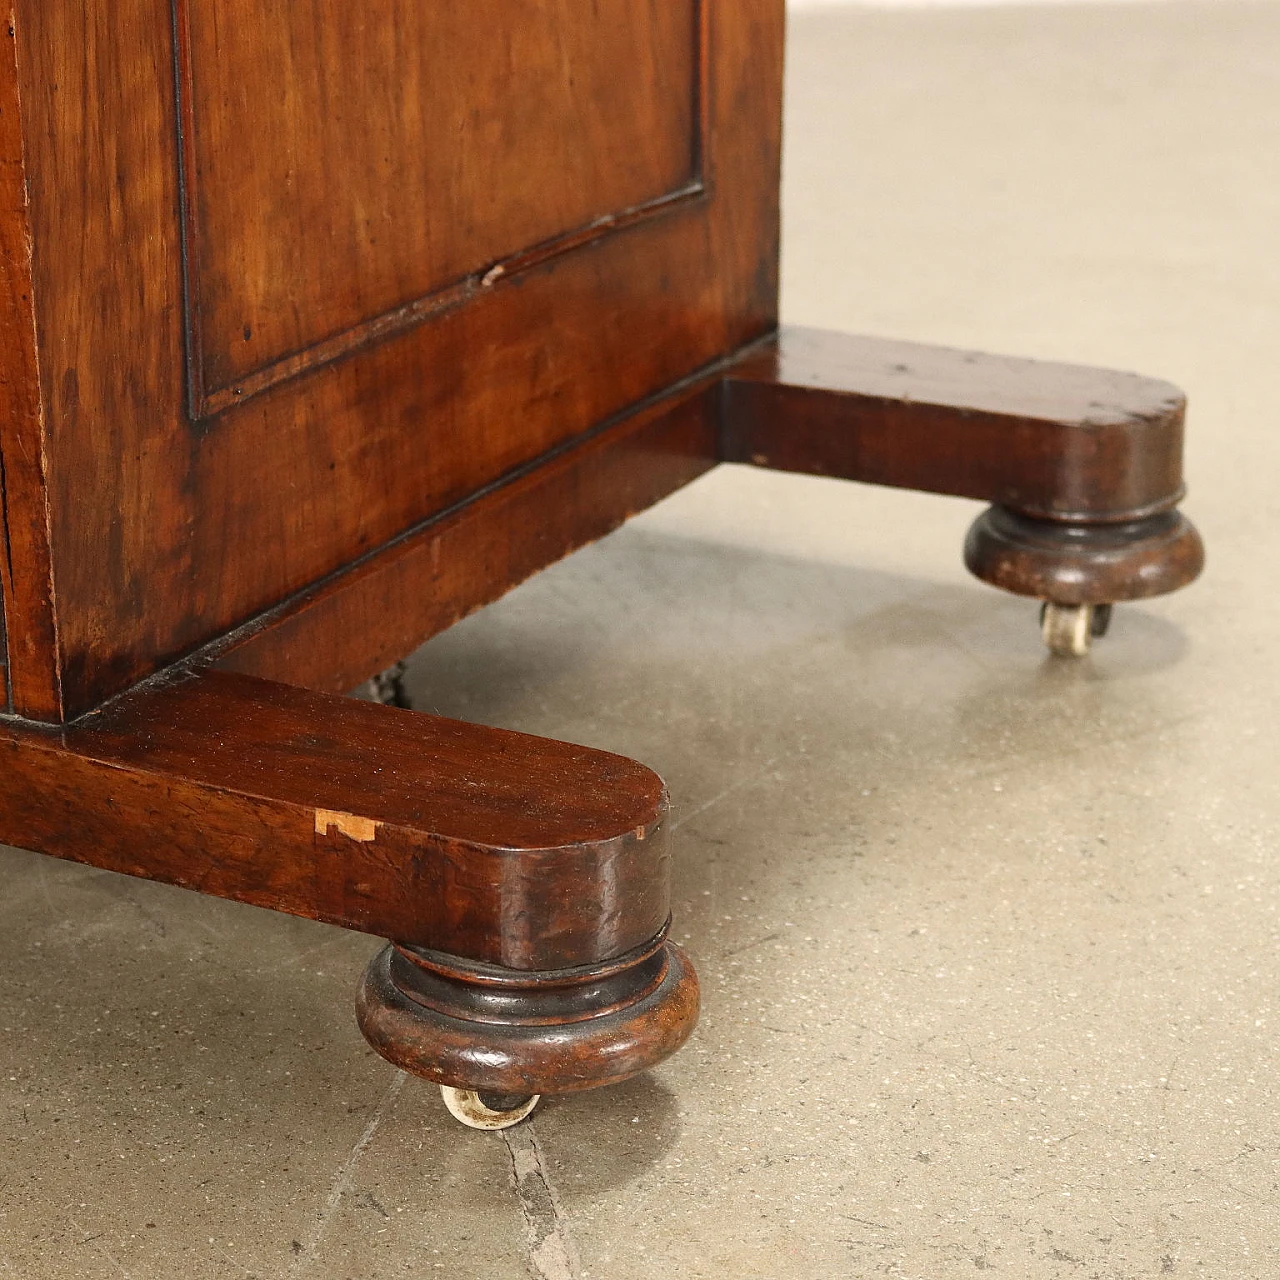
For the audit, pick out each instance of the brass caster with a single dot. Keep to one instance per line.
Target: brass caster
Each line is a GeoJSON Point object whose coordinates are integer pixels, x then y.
{"type": "Point", "coordinates": [388, 688]}
{"type": "Point", "coordinates": [1069, 629]}
{"type": "Point", "coordinates": [487, 1110]}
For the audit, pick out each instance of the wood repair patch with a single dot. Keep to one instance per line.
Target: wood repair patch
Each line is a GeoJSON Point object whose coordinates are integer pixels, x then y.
{"type": "Point", "coordinates": [347, 824]}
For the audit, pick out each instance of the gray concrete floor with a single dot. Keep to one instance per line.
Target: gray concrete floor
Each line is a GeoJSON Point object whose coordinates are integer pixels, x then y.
{"type": "Point", "coordinates": [988, 941]}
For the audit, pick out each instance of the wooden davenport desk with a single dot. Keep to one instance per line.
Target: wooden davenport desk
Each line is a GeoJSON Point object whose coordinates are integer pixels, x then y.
{"type": "Point", "coordinates": [323, 326]}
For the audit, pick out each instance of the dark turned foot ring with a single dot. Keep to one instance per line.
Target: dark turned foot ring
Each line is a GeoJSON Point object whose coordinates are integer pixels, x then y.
{"type": "Point", "coordinates": [1075, 563]}
{"type": "Point", "coordinates": [514, 1033]}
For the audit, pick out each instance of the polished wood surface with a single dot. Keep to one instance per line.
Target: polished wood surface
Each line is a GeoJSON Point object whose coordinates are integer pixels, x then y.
{"type": "Point", "coordinates": [1054, 440]}
{"type": "Point", "coordinates": [1090, 446]}
{"type": "Point", "coordinates": [480, 842]}
{"type": "Point", "coordinates": [167, 531]}
{"type": "Point", "coordinates": [313, 149]}
{"type": "Point", "coordinates": [355, 623]}
{"type": "Point", "coordinates": [521, 1033]}
{"type": "Point", "coordinates": [1073, 563]}
{"type": "Point", "coordinates": [26, 585]}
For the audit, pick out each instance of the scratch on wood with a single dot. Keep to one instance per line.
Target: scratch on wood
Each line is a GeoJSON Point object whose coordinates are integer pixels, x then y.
{"type": "Point", "coordinates": [346, 824]}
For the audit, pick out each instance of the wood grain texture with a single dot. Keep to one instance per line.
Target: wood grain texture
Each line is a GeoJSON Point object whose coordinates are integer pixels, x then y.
{"type": "Point", "coordinates": [491, 845]}
{"type": "Point", "coordinates": [1058, 441]}
{"type": "Point", "coordinates": [344, 165]}
{"type": "Point", "coordinates": [1072, 563]}
{"type": "Point", "coordinates": [1080, 440]}
{"type": "Point", "coordinates": [322, 326]}
{"type": "Point", "coordinates": [355, 624]}
{"type": "Point", "coordinates": [167, 533]}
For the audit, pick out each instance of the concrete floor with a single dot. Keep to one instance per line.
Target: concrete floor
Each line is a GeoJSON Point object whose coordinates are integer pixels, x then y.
{"type": "Point", "coordinates": [988, 941]}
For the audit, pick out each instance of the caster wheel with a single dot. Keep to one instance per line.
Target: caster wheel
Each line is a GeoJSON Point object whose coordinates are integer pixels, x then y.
{"type": "Point", "coordinates": [1069, 629]}
{"type": "Point", "coordinates": [487, 1110]}
{"type": "Point", "coordinates": [388, 688]}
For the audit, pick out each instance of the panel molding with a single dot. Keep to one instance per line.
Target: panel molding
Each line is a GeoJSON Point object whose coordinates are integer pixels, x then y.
{"type": "Point", "coordinates": [207, 401]}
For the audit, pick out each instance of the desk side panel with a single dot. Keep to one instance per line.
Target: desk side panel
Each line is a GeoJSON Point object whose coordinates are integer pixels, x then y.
{"type": "Point", "coordinates": [176, 518]}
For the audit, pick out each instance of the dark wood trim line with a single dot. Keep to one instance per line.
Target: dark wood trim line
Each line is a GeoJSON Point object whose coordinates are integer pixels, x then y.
{"type": "Point", "coordinates": [356, 622]}
{"type": "Point", "coordinates": [33, 677]}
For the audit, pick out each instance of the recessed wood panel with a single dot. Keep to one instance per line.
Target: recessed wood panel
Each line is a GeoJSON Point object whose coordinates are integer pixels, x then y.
{"type": "Point", "coordinates": [164, 532]}
{"type": "Point", "coordinates": [351, 168]}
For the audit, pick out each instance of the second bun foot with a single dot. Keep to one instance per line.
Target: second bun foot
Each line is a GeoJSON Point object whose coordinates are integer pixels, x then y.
{"type": "Point", "coordinates": [1080, 570]}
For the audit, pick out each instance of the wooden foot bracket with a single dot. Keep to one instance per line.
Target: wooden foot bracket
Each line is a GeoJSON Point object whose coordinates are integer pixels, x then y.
{"type": "Point", "coordinates": [525, 881]}
{"type": "Point", "coordinates": [1082, 466]}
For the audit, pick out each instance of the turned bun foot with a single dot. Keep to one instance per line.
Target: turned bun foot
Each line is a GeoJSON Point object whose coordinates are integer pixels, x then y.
{"type": "Point", "coordinates": [1076, 563]}
{"type": "Point", "coordinates": [1080, 570]}
{"type": "Point", "coordinates": [497, 1038]}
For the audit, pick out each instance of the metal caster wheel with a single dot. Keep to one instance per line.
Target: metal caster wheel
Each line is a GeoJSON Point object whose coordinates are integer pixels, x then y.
{"type": "Point", "coordinates": [1069, 629]}
{"type": "Point", "coordinates": [487, 1110]}
{"type": "Point", "coordinates": [388, 688]}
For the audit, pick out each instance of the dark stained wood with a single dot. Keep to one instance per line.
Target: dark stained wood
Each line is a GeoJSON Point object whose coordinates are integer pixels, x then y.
{"type": "Point", "coordinates": [354, 625]}
{"type": "Point", "coordinates": [1058, 441]}
{"type": "Point", "coordinates": [1072, 563]}
{"type": "Point", "coordinates": [322, 326]}
{"type": "Point", "coordinates": [482, 843]}
{"type": "Point", "coordinates": [30, 623]}
{"type": "Point", "coordinates": [167, 533]}
{"type": "Point", "coordinates": [509, 1033]}
{"type": "Point", "coordinates": [462, 134]}
{"type": "Point", "coordinates": [1086, 430]}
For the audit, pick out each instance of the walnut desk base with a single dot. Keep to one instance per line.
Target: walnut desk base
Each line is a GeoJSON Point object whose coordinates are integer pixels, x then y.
{"type": "Point", "coordinates": [321, 327]}
{"type": "Point", "coordinates": [524, 882]}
